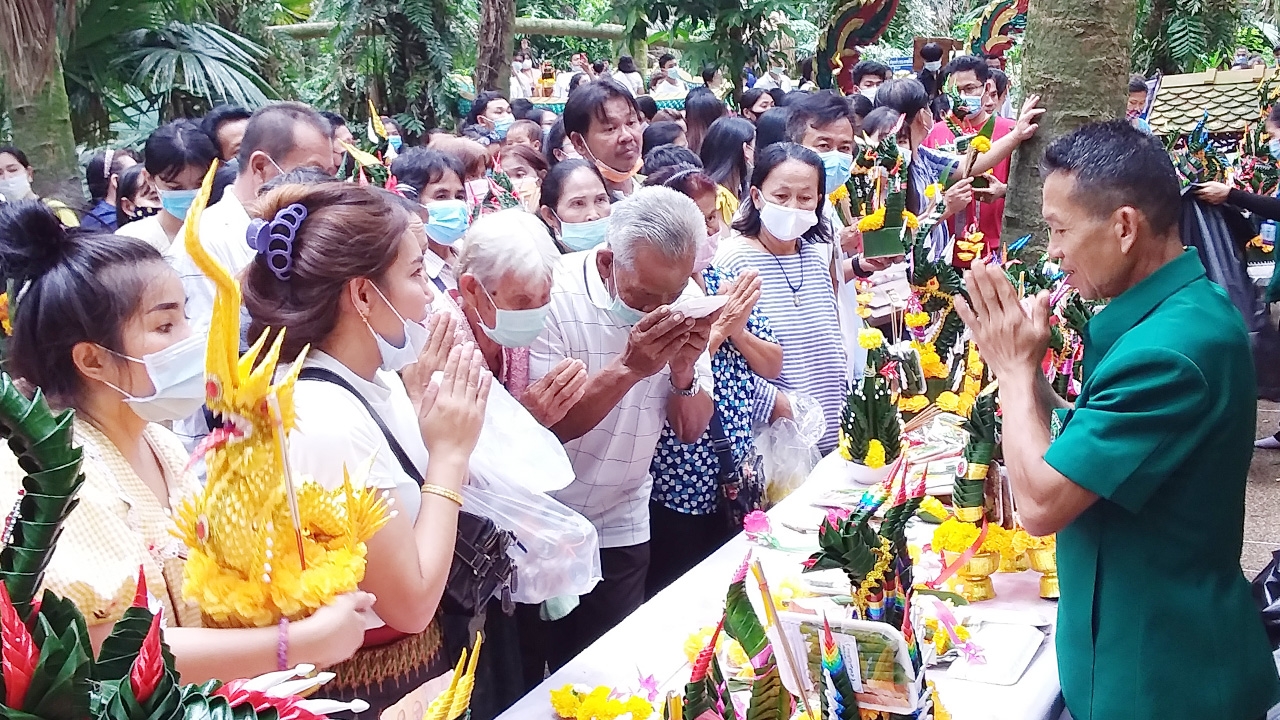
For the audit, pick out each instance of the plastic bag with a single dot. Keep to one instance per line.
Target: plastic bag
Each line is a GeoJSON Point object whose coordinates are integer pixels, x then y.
{"type": "Point", "coordinates": [557, 551]}
{"type": "Point", "coordinates": [789, 448]}
{"type": "Point", "coordinates": [515, 447]}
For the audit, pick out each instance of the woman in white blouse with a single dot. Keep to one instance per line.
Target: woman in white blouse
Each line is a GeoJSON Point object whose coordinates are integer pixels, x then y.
{"type": "Point", "coordinates": [357, 294]}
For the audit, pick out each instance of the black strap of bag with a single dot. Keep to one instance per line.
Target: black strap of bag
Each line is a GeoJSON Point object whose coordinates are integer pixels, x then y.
{"type": "Point", "coordinates": [739, 488]}
{"type": "Point", "coordinates": [481, 565]}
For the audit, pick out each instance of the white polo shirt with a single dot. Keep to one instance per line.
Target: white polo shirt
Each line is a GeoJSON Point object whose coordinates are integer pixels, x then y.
{"type": "Point", "coordinates": [611, 461]}
{"type": "Point", "coordinates": [223, 227]}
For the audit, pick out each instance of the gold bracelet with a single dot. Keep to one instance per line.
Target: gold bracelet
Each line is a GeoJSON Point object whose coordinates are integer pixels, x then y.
{"type": "Point", "coordinates": [443, 492]}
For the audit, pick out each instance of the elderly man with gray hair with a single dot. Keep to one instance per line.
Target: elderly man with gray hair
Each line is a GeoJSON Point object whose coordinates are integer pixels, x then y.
{"type": "Point", "coordinates": [647, 363]}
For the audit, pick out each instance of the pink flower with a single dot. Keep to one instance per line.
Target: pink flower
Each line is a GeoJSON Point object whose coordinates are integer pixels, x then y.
{"type": "Point", "coordinates": [756, 523]}
{"type": "Point", "coordinates": [835, 516]}
{"type": "Point", "coordinates": [809, 563]}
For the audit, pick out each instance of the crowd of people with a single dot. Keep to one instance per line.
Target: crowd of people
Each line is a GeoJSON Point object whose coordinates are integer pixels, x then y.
{"type": "Point", "coordinates": [547, 257]}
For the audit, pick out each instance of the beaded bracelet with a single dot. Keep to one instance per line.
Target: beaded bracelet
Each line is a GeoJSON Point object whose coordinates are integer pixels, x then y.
{"type": "Point", "coordinates": [282, 645]}
{"type": "Point", "coordinates": [445, 493]}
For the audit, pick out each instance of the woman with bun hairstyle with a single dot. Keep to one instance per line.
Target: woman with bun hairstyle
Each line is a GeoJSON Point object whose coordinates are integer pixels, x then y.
{"type": "Point", "coordinates": [357, 295]}
{"type": "Point", "coordinates": [100, 328]}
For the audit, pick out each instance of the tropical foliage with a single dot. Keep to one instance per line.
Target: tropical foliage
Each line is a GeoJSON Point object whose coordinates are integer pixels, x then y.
{"type": "Point", "coordinates": [398, 54]}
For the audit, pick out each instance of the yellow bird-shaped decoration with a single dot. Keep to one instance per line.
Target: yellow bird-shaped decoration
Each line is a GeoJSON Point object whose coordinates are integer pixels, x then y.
{"type": "Point", "coordinates": [456, 699]}
{"type": "Point", "coordinates": [243, 567]}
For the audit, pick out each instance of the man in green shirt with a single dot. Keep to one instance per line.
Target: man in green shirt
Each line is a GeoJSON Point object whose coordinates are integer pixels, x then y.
{"type": "Point", "coordinates": [1144, 482]}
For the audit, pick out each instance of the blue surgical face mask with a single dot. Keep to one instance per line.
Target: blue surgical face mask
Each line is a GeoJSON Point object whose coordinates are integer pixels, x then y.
{"type": "Point", "coordinates": [502, 125]}
{"type": "Point", "coordinates": [447, 220]}
{"type": "Point", "coordinates": [515, 328]}
{"type": "Point", "coordinates": [1274, 146]}
{"type": "Point", "coordinates": [622, 311]}
{"type": "Point", "coordinates": [583, 235]}
{"type": "Point", "coordinates": [837, 166]}
{"type": "Point", "coordinates": [177, 202]}
{"type": "Point", "coordinates": [971, 103]}
{"type": "Point", "coordinates": [396, 142]}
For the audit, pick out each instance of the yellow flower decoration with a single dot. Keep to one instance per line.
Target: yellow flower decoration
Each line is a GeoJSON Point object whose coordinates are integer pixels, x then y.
{"type": "Point", "coordinates": [870, 338]}
{"type": "Point", "coordinates": [697, 641]}
{"type": "Point", "coordinates": [639, 708]}
{"type": "Point", "coordinates": [948, 402]}
{"type": "Point", "coordinates": [875, 455]}
{"type": "Point", "coordinates": [933, 190]}
{"type": "Point", "coordinates": [913, 404]}
{"type": "Point", "coordinates": [564, 702]}
{"type": "Point", "coordinates": [964, 403]}
{"type": "Point", "coordinates": [874, 221]}
{"type": "Point", "coordinates": [934, 506]}
{"type": "Point", "coordinates": [917, 319]}
{"type": "Point", "coordinates": [981, 144]}
{"type": "Point", "coordinates": [4, 314]}
{"type": "Point", "coordinates": [912, 222]}
{"type": "Point", "coordinates": [975, 237]}
{"type": "Point", "coordinates": [932, 284]}
{"type": "Point", "coordinates": [956, 536]}
{"type": "Point", "coordinates": [846, 451]}
{"type": "Point", "coordinates": [841, 193]}
{"type": "Point", "coordinates": [1023, 541]}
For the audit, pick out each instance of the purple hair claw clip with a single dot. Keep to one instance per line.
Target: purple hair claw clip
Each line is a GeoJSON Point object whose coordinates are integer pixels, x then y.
{"type": "Point", "coordinates": [275, 239]}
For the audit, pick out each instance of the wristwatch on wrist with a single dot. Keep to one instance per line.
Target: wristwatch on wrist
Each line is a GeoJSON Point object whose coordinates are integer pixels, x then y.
{"type": "Point", "coordinates": [693, 386]}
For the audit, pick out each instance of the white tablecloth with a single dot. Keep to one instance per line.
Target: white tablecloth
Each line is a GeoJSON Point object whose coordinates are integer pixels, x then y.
{"type": "Point", "coordinates": [651, 640]}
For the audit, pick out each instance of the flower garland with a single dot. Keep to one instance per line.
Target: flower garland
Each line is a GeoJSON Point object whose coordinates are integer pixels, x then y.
{"type": "Point", "coordinates": [874, 221]}
{"type": "Point", "coordinates": [930, 360]}
{"type": "Point", "coordinates": [5, 320]}
{"type": "Point", "coordinates": [602, 703]}
{"type": "Point", "coordinates": [1023, 541]}
{"type": "Point", "coordinates": [913, 404]}
{"type": "Point", "coordinates": [957, 536]}
{"type": "Point", "coordinates": [980, 144]}
{"type": "Point", "coordinates": [870, 338]}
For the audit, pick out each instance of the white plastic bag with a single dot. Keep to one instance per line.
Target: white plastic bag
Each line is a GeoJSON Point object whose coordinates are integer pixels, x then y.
{"type": "Point", "coordinates": [515, 447]}
{"type": "Point", "coordinates": [557, 551]}
{"type": "Point", "coordinates": [789, 448]}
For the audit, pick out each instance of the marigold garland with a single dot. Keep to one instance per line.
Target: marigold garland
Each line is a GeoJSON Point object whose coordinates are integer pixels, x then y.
{"type": "Point", "coordinates": [916, 319]}
{"type": "Point", "coordinates": [948, 402]}
{"type": "Point", "coordinates": [4, 314]}
{"type": "Point", "coordinates": [874, 221]}
{"type": "Point", "coordinates": [980, 144]}
{"type": "Point", "coordinates": [910, 220]}
{"type": "Point", "coordinates": [913, 404]}
{"type": "Point", "coordinates": [599, 704]}
{"type": "Point", "coordinates": [841, 193]}
{"type": "Point", "coordinates": [870, 338]}
{"type": "Point", "coordinates": [956, 536]}
{"type": "Point", "coordinates": [1023, 541]}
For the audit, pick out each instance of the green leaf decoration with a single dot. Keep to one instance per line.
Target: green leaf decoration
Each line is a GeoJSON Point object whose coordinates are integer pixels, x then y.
{"type": "Point", "coordinates": [741, 622]}
{"type": "Point", "coordinates": [851, 547]}
{"type": "Point", "coordinates": [870, 414]}
{"type": "Point", "coordinates": [769, 698]}
{"type": "Point", "coordinates": [115, 659]}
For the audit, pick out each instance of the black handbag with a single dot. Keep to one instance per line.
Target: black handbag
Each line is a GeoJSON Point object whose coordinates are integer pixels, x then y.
{"type": "Point", "coordinates": [740, 486]}
{"type": "Point", "coordinates": [1266, 592]}
{"type": "Point", "coordinates": [481, 566]}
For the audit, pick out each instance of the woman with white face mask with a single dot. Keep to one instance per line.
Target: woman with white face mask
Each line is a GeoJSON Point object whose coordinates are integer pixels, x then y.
{"type": "Point", "coordinates": [355, 292]}
{"type": "Point", "coordinates": [782, 225]}
{"type": "Point", "coordinates": [575, 205]}
{"type": "Point", "coordinates": [100, 329]}
{"type": "Point", "coordinates": [684, 523]}
{"type": "Point", "coordinates": [16, 175]}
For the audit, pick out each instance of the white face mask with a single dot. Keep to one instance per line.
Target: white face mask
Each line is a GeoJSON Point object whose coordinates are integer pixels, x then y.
{"type": "Point", "coordinates": [177, 374]}
{"type": "Point", "coordinates": [786, 223]}
{"type": "Point", "coordinates": [934, 66]}
{"type": "Point", "coordinates": [16, 188]}
{"type": "Point", "coordinates": [869, 93]}
{"type": "Point", "coordinates": [416, 336]}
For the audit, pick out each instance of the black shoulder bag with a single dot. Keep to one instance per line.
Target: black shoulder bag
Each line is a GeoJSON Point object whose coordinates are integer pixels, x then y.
{"type": "Point", "coordinates": [481, 566]}
{"type": "Point", "coordinates": [741, 486]}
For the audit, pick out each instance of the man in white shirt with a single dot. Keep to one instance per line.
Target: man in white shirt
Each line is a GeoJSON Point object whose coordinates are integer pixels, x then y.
{"type": "Point", "coordinates": [279, 138]}
{"type": "Point", "coordinates": [775, 78]}
{"type": "Point", "coordinates": [648, 365]}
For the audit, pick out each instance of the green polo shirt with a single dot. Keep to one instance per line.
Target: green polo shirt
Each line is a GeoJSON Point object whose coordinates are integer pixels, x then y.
{"type": "Point", "coordinates": [1156, 620]}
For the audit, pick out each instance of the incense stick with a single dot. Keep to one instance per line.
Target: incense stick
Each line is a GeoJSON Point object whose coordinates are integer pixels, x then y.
{"type": "Point", "coordinates": [277, 421]}
{"type": "Point", "coordinates": [771, 614]}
